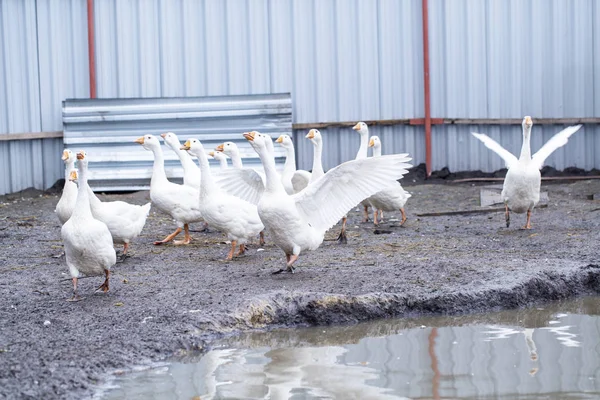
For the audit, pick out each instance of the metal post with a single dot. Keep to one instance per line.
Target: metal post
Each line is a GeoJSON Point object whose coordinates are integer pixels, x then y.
{"type": "Point", "coordinates": [426, 87]}
{"type": "Point", "coordinates": [91, 48]}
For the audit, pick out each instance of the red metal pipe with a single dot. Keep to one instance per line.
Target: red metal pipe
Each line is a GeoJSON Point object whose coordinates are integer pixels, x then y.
{"type": "Point", "coordinates": [426, 87]}
{"type": "Point", "coordinates": [91, 48]}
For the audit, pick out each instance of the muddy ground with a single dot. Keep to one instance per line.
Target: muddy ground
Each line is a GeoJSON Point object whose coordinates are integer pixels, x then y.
{"type": "Point", "coordinates": [170, 300]}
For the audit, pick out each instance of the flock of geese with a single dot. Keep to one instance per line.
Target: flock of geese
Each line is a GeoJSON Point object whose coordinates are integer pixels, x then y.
{"type": "Point", "coordinates": [294, 207]}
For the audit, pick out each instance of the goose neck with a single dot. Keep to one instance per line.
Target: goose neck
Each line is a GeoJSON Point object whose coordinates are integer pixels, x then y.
{"type": "Point", "coordinates": [82, 204]}
{"type": "Point", "coordinates": [158, 169]}
{"type": "Point", "coordinates": [317, 169]}
{"type": "Point", "coordinates": [273, 183]}
{"type": "Point", "coordinates": [290, 161]}
{"type": "Point", "coordinates": [363, 150]}
{"type": "Point", "coordinates": [526, 148]}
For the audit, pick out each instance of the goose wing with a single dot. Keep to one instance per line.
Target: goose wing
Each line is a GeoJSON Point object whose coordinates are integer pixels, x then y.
{"type": "Point", "coordinates": [507, 156]}
{"type": "Point", "coordinates": [330, 197]}
{"type": "Point", "coordinates": [558, 140]}
{"type": "Point", "coordinates": [300, 180]}
{"type": "Point", "coordinates": [245, 183]}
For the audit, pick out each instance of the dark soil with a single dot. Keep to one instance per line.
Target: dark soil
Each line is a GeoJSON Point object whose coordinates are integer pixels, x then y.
{"type": "Point", "coordinates": [167, 300]}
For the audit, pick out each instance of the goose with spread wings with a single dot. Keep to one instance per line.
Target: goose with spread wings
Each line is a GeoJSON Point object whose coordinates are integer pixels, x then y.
{"type": "Point", "coordinates": [298, 222]}
{"type": "Point", "coordinates": [521, 189]}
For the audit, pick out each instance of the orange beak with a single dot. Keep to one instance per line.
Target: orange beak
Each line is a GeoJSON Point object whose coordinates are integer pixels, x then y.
{"type": "Point", "coordinates": [371, 143]}
{"type": "Point", "coordinates": [219, 147]}
{"type": "Point", "coordinates": [65, 155]}
{"type": "Point", "coordinates": [80, 155]}
{"type": "Point", "coordinates": [528, 121]}
{"type": "Point", "coordinates": [279, 139]}
{"type": "Point", "coordinates": [211, 153]}
{"type": "Point", "coordinates": [249, 136]}
{"type": "Point", "coordinates": [310, 134]}
{"type": "Point", "coordinates": [356, 127]}
{"type": "Point", "coordinates": [73, 175]}
{"type": "Point", "coordinates": [186, 145]}
{"type": "Point", "coordinates": [163, 135]}
{"type": "Point", "coordinates": [139, 140]}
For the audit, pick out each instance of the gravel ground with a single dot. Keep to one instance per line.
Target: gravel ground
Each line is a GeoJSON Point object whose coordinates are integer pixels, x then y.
{"type": "Point", "coordinates": [171, 300]}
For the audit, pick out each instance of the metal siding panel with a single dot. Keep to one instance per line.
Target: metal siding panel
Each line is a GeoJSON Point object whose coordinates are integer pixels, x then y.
{"type": "Point", "coordinates": [238, 49]}
{"type": "Point", "coordinates": [193, 49]}
{"type": "Point", "coordinates": [282, 49]}
{"type": "Point", "coordinates": [21, 93]}
{"type": "Point", "coordinates": [324, 62]}
{"type": "Point", "coordinates": [347, 23]}
{"type": "Point", "coordinates": [259, 48]}
{"type": "Point", "coordinates": [368, 60]}
{"type": "Point", "coordinates": [304, 57]}
{"type": "Point", "coordinates": [595, 38]}
{"type": "Point", "coordinates": [106, 128]}
{"type": "Point", "coordinates": [216, 53]}
{"type": "Point", "coordinates": [172, 58]}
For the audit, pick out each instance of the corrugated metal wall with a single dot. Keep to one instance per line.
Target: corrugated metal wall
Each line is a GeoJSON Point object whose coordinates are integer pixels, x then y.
{"type": "Point", "coordinates": [342, 60]}
{"type": "Point", "coordinates": [107, 129]}
{"type": "Point", "coordinates": [43, 59]}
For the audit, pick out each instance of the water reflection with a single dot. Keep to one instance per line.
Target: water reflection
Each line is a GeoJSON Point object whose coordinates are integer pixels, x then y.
{"type": "Point", "coordinates": [512, 354]}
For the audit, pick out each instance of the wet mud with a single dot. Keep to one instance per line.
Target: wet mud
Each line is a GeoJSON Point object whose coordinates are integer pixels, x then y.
{"type": "Point", "coordinates": [171, 300]}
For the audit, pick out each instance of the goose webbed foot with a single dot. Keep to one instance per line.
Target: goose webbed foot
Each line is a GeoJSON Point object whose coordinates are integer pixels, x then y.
{"type": "Point", "coordinates": [242, 250]}
{"type": "Point", "coordinates": [528, 223]}
{"type": "Point", "coordinates": [289, 269]}
{"type": "Point", "coordinates": [104, 287]}
{"type": "Point", "coordinates": [365, 214]}
{"type": "Point", "coordinates": [291, 259]}
{"type": "Point", "coordinates": [168, 238]}
{"type": "Point", "coordinates": [342, 239]}
{"type": "Point", "coordinates": [403, 216]}
{"type": "Point", "coordinates": [75, 296]}
{"type": "Point", "coordinates": [187, 238]}
{"type": "Point", "coordinates": [230, 254]}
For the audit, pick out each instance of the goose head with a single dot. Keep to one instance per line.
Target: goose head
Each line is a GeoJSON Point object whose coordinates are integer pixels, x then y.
{"type": "Point", "coordinates": [82, 157]}
{"type": "Point", "coordinates": [285, 141]}
{"type": "Point", "coordinates": [314, 136]}
{"type": "Point", "coordinates": [228, 148]}
{"type": "Point", "coordinates": [361, 128]}
{"type": "Point", "coordinates": [527, 124]}
{"type": "Point", "coordinates": [375, 142]}
{"type": "Point", "coordinates": [148, 142]}
{"type": "Point", "coordinates": [193, 146]}
{"type": "Point", "coordinates": [258, 141]}
{"type": "Point", "coordinates": [68, 156]}
{"type": "Point", "coordinates": [73, 176]}
{"type": "Point", "coordinates": [171, 140]}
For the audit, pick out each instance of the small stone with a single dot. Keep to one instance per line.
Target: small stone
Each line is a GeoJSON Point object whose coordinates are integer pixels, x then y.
{"type": "Point", "coordinates": [46, 323]}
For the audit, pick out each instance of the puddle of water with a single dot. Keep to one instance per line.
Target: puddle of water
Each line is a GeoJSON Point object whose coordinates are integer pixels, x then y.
{"type": "Point", "coordinates": [550, 352]}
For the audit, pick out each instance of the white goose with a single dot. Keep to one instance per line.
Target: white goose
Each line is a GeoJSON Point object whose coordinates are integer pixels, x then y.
{"type": "Point", "coordinates": [191, 172]}
{"type": "Point", "coordinates": [317, 168]}
{"type": "Point", "coordinates": [391, 199]}
{"type": "Point", "coordinates": [124, 221]}
{"type": "Point", "coordinates": [299, 222]}
{"type": "Point", "coordinates": [521, 189]}
{"type": "Point", "coordinates": [232, 151]}
{"type": "Point", "coordinates": [220, 157]}
{"type": "Point", "coordinates": [235, 217]}
{"type": "Point", "coordinates": [88, 243]}
{"type": "Point", "coordinates": [179, 201]}
{"type": "Point", "coordinates": [65, 205]}
{"type": "Point", "coordinates": [293, 180]}
{"type": "Point", "coordinates": [363, 151]}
